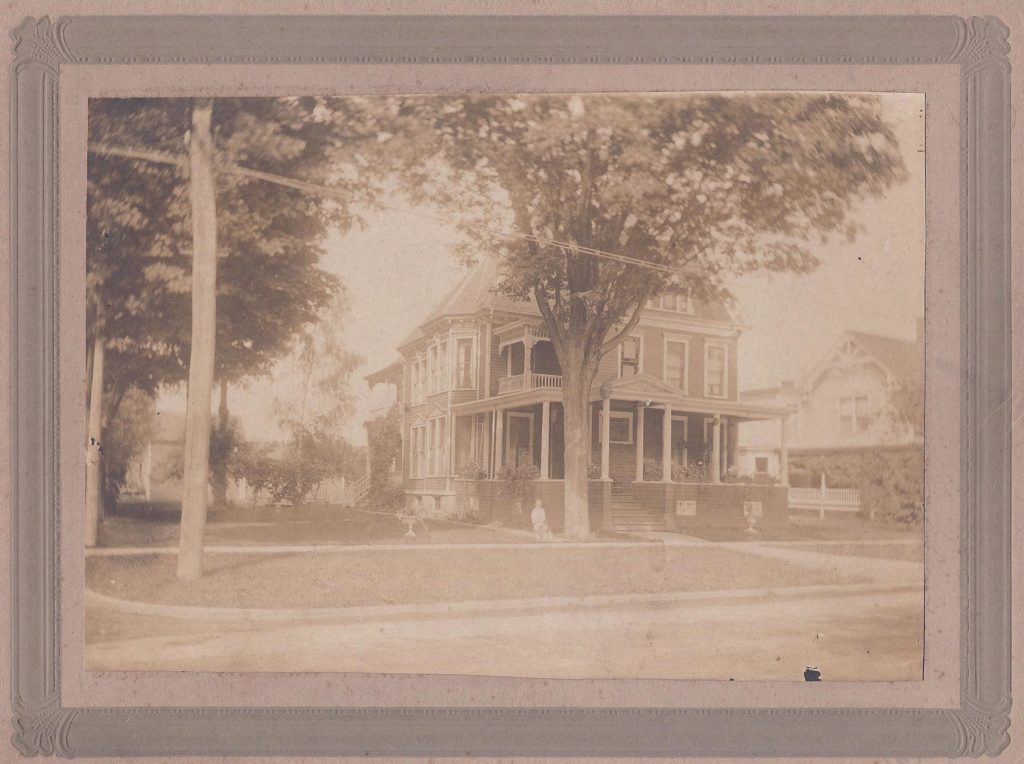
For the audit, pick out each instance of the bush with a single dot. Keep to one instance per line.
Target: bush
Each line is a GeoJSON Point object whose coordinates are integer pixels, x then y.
{"type": "Point", "coordinates": [890, 480]}
{"type": "Point", "coordinates": [695, 472]}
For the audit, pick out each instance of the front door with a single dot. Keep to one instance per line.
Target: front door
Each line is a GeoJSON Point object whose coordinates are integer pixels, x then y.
{"type": "Point", "coordinates": [519, 444]}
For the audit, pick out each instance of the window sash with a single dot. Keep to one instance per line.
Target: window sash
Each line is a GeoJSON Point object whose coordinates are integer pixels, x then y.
{"type": "Point", "coordinates": [676, 352]}
{"type": "Point", "coordinates": [715, 365]}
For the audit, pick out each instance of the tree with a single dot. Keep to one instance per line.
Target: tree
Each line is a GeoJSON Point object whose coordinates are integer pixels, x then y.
{"type": "Point", "coordinates": [321, 367]}
{"type": "Point", "coordinates": [269, 283]}
{"type": "Point", "coordinates": [384, 443]}
{"type": "Point", "coordinates": [203, 346]}
{"type": "Point", "coordinates": [699, 188]}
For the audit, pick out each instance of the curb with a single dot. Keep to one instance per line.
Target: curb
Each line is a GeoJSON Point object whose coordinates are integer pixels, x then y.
{"type": "Point", "coordinates": [476, 607]}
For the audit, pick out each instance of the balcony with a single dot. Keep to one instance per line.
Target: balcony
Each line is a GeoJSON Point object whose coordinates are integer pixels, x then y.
{"type": "Point", "coordinates": [519, 382]}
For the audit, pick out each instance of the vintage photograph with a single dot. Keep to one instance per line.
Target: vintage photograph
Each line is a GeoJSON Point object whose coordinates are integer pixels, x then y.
{"type": "Point", "coordinates": [576, 385]}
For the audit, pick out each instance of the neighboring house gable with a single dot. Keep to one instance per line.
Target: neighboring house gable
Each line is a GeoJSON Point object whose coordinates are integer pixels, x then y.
{"type": "Point", "coordinates": [845, 401]}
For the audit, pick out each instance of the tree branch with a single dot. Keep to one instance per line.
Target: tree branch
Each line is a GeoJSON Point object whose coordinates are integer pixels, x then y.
{"type": "Point", "coordinates": [630, 325]}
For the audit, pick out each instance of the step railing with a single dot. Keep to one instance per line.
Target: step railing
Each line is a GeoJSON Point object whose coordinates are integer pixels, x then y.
{"type": "Point", "coordinates": [360, 489]}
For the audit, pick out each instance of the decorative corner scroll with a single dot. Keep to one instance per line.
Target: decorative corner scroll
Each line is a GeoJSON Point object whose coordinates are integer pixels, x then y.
{"type": "Point", "coordinates": [41, 42]}
{"type": "Point", "coordinates": [980, 731]}
{"type": "Point", "coordinates": [42, 730]}
{"type": "Point", "coordinates": [981, 41]}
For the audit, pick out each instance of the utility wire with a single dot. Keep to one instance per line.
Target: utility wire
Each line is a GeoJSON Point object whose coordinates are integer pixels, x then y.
{"type": "Point", "coordinates": [179, 161]}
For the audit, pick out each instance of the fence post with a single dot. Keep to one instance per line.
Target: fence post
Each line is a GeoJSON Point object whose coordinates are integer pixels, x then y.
{"type": "Point", "coordinates": [821, 499]}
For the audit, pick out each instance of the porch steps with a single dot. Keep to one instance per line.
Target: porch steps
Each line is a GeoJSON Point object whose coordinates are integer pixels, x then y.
{"type": "Point", "coordinates": [629, 515]}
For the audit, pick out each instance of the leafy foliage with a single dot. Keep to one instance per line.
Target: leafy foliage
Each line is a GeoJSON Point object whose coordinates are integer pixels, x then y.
{"type": "Point", "coordinates": [890, 480]}
{"type": "Point", "coordinates": [701, 187]}
{"type": "Point", "coordinates": [131, 426]}
{"type": "Point", "coordinates": [384, 440]}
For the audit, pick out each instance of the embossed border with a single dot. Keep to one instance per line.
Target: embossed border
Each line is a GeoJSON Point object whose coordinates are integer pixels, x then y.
{"type": "Point", "coordinates": [977, 727]}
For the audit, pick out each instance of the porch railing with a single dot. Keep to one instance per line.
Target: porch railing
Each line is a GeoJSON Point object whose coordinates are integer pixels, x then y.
{"type": "Point", "coordinates": [518, 382]}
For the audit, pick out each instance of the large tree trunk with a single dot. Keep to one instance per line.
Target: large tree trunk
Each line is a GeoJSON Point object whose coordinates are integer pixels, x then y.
{"type": "Point", "coordinates": [577, 377]}
{"type": "Point", "coordinates": [220, 474]}
{"type": "Point", "coordinates": [195, 483]}
{"type": "Point", "coordinates": [93, 454]}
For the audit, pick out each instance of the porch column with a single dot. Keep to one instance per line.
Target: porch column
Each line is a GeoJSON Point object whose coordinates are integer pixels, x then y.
{"type": "Point", "coordinates": [783, 451]}
{"type": "Point", "coordinates": [716, 450]}
{"type": "Point", "coordinates": [545, 439]}
{"type": "Point", "coordinates": [666, 445]}
{"type": "Point", "coordinates": [489, 442]}
{"type": "Point", "coordinates": [527, 359]}
{"type": "Point", "coordinates": [640, 443]}
{"type": "Point", "coordinates": [606, 411]}
{"type": "Point", "coordinates": [499, 440]}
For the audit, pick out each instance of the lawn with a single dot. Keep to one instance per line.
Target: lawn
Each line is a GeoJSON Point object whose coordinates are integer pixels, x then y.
{"type": "Point", "coordinates": [852, 529]}
{"type": "Point", "coordinates": [407, 576]}
{"type": "Point", "coordinates": [157, 525]}
{"type": "Point", "coordinates": [910, 552]}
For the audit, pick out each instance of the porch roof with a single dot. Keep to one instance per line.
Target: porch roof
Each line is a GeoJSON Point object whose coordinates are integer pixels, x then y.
{"type": "Point", "coordinates": [654, 392]}
{"type": "Point", "coordinates": [643, 389]}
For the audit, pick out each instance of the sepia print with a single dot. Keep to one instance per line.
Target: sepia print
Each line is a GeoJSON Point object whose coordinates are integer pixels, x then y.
{"type": "Point", "coordinates": [562, 386]}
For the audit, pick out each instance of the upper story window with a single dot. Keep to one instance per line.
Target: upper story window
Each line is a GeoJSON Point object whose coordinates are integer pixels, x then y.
{"type": "Point", "coordinates": [437, 368]}
{"type": "Point", "coordinates": [417, 368]}
{"type": "Point", "coordinates": [677, 303]}
{"type": "Point", "coordinates": [464, 367]}
{"type": "Point", "coordinates": [853, 414]}
{"type": "Point", "coordinates": [677, 352]}
{"type": "Point", "coordinates": [631, 356]}
{"type": "Point", "coordinates": [716, 370]}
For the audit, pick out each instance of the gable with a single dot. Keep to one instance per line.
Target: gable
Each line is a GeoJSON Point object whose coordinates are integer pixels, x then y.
{"type": "Point", "coordinates": [899, 360]}
{"type": "Point", "coordinates": [639, 386]}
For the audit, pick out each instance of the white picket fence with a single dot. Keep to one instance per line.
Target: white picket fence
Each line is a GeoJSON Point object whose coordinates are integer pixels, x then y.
{"type": "Point", "coordinates": [825, 500]}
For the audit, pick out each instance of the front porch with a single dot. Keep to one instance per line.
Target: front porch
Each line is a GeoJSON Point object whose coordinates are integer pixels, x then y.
{"type": "Point", "coordinates": [658, 460]}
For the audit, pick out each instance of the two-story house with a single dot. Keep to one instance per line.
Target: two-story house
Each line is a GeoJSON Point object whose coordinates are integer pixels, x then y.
{"type": "Point", "coordinates": [846, 403]}
{"type": "Point", "coordinates": [479, 386]}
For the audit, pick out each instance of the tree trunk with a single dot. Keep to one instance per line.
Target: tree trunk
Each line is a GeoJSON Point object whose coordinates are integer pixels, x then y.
{"type": "Point", "coordinates": [220, 475]}
{"type": "Point", "coordinates": [576, 381]}
{"type": "Point", "coordinates": [195, 483]}
{"type": "Point", "coordinates": [93, 454]}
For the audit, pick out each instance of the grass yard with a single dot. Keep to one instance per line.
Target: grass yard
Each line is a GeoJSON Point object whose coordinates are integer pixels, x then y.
{"type": "Point", "coordinates": [852, 529]}
{"type": "Point", "coordinates": [911, 552]}
{"type": "Point", "coordinates": [157, 525]}
{"type": "Point", "coordinates": [405, 576]}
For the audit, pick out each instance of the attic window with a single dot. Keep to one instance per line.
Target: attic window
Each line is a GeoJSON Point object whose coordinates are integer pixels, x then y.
{"type": "Point", "coordinates": [675, 302]}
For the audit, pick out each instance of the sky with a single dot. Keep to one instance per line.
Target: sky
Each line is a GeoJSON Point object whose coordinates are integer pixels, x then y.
{"type": "Point", "coordinates": [401, 264]}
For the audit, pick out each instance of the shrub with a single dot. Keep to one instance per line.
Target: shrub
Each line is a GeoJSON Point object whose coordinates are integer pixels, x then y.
{"type": "Point", "coordinates": [473, 471]}
{"type": "Point", "coordinates": [890, 480]}
{"type": "Point", "coordinates": [695, 472]}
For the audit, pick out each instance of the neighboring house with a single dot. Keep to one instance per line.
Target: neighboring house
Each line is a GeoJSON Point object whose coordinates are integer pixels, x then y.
{"type": "Point", "coordinates": [479, 388]}
{"type": "Point", "coordinates": [846, 403]}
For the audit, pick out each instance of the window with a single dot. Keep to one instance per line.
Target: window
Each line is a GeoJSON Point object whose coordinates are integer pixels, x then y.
{"type": "Point", "coordinates": [620, 427]}
{"type": "Point", "coordinates": [464, 377]}
{"type": "Point", "coordinates": [761, 464]}
{"type": "Point", "coordinates": [442, 367]}
{"type": "Point", "coordinates": [436, 371]}
{"type": "Point", "coordinates": [630, 356]}
{"type": "Point", "coordinates": [675, 302]}
{"type": "Point", "coordinates": [715, 370]}
{"type": "Point", "coordinates": [442, 446]}
{"type": "Point", "coordinates": [854, 415]}
{"type": "Point", "coordinates": [417, 450]}
{"type": "Point", "coordinates": [416, 373]}
{"type": "Point", "coordinates": [676, 362]}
